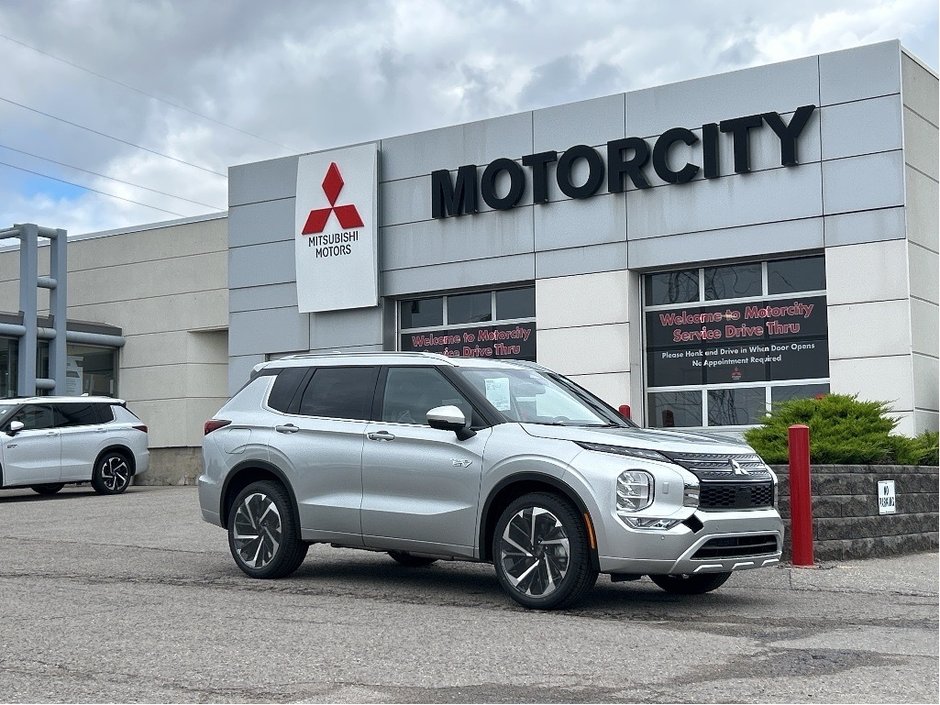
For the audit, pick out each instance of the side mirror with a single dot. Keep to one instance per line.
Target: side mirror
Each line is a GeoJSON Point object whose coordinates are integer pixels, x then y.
{"type": "Point", "coordinates": [15, 427]}
{"type": "Point", "coordinates": [450, 418]}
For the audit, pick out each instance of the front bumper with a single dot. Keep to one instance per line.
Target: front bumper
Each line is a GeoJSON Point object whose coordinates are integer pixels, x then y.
{"type": "Point", "coordinates": [682, 549]}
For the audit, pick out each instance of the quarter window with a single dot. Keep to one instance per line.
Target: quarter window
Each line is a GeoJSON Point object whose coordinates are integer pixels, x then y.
{"type": "Point", "coordinates": [78, 414]}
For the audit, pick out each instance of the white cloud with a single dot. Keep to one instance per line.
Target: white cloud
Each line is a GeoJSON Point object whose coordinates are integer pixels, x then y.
{"type": "Point", "coordinates": [316, 74]}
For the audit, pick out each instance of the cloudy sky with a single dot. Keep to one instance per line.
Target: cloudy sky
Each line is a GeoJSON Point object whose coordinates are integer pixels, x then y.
{"type": "Point", "coordinates": [150, 101]}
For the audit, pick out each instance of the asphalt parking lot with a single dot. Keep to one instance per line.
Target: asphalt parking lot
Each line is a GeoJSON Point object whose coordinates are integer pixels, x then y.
{"type": "Point", "coordinates": [134, 599]}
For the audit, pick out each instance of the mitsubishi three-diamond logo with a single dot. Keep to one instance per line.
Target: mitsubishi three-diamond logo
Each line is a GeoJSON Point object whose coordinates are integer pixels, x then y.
{"type": "Point", "coordinates": [348, 216]}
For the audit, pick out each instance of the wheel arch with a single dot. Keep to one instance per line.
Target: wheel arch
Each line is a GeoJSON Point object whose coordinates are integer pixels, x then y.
{"type": "Point", "coordinates": [513, 487]}
{"type": "Point", "coordinates": [123, 450]}
{"type": "Point", "coordinates": [243, 475]}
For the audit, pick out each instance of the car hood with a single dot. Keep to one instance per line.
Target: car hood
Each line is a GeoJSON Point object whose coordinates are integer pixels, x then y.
{"type": "Point", "coordinates": [659, 440]}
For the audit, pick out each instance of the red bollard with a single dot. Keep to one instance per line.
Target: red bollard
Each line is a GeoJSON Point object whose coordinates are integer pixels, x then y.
{"type": "Point", "coordinates": [801, 502]}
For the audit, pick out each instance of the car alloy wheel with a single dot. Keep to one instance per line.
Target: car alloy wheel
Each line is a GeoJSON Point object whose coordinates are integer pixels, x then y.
{"type": "Point", "coordinates": [258, 532]}
{"type": "Point", "coordinates": [112, 474]}
{"type": "Point", "coordinates": [534, 551]}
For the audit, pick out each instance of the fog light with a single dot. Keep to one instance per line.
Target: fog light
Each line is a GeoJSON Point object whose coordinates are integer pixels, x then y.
{"type": "Point", "coordinates": [634, 491]}
{"type": "Point", "coordinates": [651, 523]}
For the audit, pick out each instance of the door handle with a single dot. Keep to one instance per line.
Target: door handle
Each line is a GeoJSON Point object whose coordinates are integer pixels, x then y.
{"type": "Point", "coordinates": [286, 428]}
{"type": "Point", "coordinates": [381, 436]}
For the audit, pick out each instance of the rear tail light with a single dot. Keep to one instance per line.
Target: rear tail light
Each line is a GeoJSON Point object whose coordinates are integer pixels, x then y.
{"type": "Point", "coordinates": [140, 427]}
{"type": "Point", "coordinates": [214, 425]}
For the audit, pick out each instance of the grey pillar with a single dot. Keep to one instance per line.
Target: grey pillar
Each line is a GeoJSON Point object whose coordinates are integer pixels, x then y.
{"type": "Point", "coordinates": [58, 307]}
{"type": "Point", "coordinates": [29, 264]}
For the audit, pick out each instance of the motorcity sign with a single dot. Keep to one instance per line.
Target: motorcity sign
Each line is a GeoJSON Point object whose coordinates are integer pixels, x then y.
{"type": "Point", "coordinates": [756, 341]}
{"type": "Point", "coordinates": [628, 160]}
{"type": "Point", "coordinates": [335, 249]}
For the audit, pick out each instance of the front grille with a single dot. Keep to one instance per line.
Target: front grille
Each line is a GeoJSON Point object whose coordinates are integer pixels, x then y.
{"type": "Point", "coordinates": [736, 495]}
{"type": "Point", "coordinates": [729, 481]}
{"type": "Point", "coordinates": [736, 546]}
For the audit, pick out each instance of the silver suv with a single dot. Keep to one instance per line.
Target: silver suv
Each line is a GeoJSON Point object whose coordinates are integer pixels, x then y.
{"type": "Point", "coordinates": [427, 457]}
{"type": "Point", "coordinates": [47, 442]}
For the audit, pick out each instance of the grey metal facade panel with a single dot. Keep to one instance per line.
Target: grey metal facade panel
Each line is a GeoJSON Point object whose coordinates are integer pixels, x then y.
{"type": "Point", "coordinates": [405, 200]}
{"type": "Point", "coordinates": [865, 226]}
{"type": "Point", "coordinates": [273, 330]}
{"type": "Point", "coordinates": [732, 243]}
{"type": "Point", "coordinates": [256, 298]}
{"type": "Point", "coordinates": [591, 122]}
{"type": "Point", "coordinates": [779, 87]}
{"type": "Point", "coordinates": [262, 181]}
{"type": "Point", "coordinates": [920, 90]}
{"type": "Point", "coordinates": [864, 72]}
{"type": "Point", "coordinates": [239, 369]}
{"type": "Point", "coordinates": [575, 223]}
{"type": "Point", "coordinates": [477, 237]}
{"type": "Point", "coordinates": [349, 349]}
{"type": "Point", "coordinates": [495, 271]}
{"type": "Point", "coordinates": [258, 265]}
{"type": "Point", "coordinates": [728, 202]}
{"type": "Point", "coordinates": [449, 147]}
{"type": "Point", "coordinates": [345, 329]}
{"type": "Point", "coordinates": [861, 127]}
{"type": "Point", "coordinates": [581, 260]}
{"type": "Point", "coordinates": [844, 190]}
{"type": "Point", "coordinates": [257, 223]}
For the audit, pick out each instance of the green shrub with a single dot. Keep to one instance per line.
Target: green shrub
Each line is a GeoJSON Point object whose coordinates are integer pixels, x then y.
{"type": "Point", "coordinates": [842, 431]}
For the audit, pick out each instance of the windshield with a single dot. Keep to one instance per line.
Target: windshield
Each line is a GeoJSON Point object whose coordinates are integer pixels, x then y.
{"type": "Point", "coordinates": [533, 396]}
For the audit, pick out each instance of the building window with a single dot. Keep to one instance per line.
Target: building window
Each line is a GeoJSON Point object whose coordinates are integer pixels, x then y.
{"type": "Point", "coordinates": [88, 369]}
{"type": "Point", "coordinates": [724, 343]}
{"type": "Point", "coordinates": [498, 324]}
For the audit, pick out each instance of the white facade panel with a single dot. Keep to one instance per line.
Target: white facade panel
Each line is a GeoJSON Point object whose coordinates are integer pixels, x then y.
{"type": "Point", "coordinates": [923, 217]}
{"type": "Point", "coordinates": [877, 329]}
{"type": "Point", "coordinates": [920, 89]}
{"type": "Point", "coordinates": [925, 280]}
{"type": "Point", "coordinates": [928, 383]}
{"type": "Point", "coordinates": [585, 350]}
{"type": "Point", "coordinates": [925, 328]}
{"type": "Point", "coordinates": [921, 144]}
{"type": "Point", "coordinates": [875, 379]}
{"type": "Point", "coordinates": [865, 226]}
{"type": "Point", "coordinates": [587, 299]}
{"type": "Point", "coordinates": [870, 272]}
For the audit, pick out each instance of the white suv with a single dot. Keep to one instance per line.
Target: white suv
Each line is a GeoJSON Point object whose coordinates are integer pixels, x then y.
{"type": "Point", "coordinates": [428, 458]}
{"type": "Point", "coordinates": [47, 442]}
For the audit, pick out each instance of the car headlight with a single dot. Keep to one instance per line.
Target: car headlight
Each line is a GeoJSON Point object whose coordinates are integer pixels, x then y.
{"type": "Point", "coordinates": [634, 491]}
{"type": "Point", "coordinates": [622, 450]}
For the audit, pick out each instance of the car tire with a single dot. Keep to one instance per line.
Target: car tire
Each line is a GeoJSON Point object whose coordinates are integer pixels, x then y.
{"type": "Point", "coordinates": [690, 584]}
{"type": "Point", "coordinates": [541, 553]}
{"type": "Point", "coordinates": [263, 534]}
{"type": "Point", "coordinates": [112, 473]}
{"type": "Point", "coordinates": [48, 488]}
{"type": "Point", "coordinates": [411, 560]}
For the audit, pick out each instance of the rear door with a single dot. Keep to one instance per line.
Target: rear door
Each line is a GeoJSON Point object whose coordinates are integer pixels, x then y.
{"type": "Point", "coordinates": [32, 456]}
{"type": "Point", "coordinates": [319, 438]}
{"type": "Point", "coordinates": [420, 486]}
{"type": "Point", "coordinates": [82, 434]}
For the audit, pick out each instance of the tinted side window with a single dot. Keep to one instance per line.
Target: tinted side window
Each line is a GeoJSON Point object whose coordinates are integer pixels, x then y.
{"type": "Point", "coordinates": [34, 416]}
{"type": "Point", "coordinates": [340, 392]}
{"type": "Point", "coordinates": [286, 386]}
{"type": "Point", "coordinates": [78, 414]}
{"type": "Point", "coordinates": [410, 392]}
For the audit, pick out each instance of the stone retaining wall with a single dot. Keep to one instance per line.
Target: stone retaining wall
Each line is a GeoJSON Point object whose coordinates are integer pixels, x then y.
{"type": "Point", "coordinates": [846, 522]}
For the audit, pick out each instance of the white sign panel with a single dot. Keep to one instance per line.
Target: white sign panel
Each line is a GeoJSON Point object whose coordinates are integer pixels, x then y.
{"type": "Point", "coordinates": [886, 497]}
{"type": "Point", "coordinates": [335, 230]}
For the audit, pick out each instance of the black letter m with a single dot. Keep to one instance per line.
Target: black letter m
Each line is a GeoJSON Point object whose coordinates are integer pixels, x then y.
{"type": "Point", "coordinates": [454, 199]}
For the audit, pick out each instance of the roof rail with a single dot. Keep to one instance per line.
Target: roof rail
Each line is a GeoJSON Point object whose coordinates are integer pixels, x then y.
{"type": "Point", "coordinates": [367, 353]}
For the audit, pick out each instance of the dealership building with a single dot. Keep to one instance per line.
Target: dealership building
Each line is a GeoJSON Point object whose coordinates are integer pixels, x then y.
{"type": "Point", "coordinates": [698, 251]}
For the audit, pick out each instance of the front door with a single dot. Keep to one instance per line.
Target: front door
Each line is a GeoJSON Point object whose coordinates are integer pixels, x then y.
{"type": "Point", "coordinates": [420, 486]}
{"type": "Point", "coordinates": [32, 456]}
